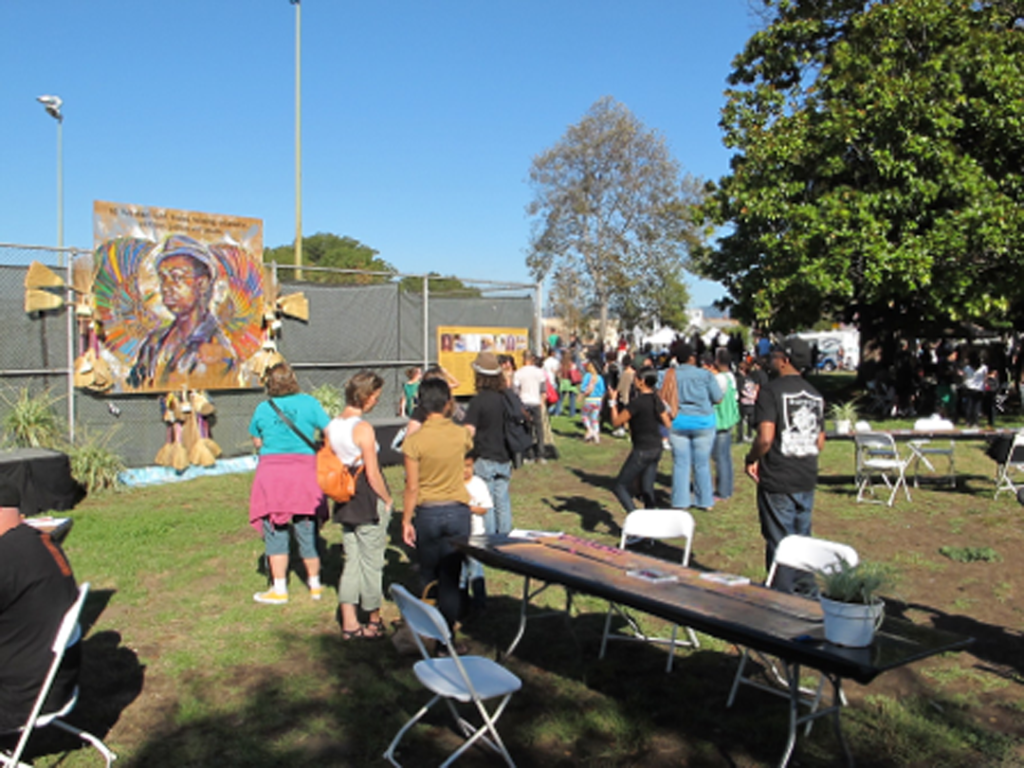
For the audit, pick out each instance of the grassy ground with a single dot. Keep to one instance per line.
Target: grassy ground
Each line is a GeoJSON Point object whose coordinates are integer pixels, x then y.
{"type": "Point", "coordinates": [182, 668]}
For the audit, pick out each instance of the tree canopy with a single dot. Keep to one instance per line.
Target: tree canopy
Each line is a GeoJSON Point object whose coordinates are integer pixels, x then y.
{"type": "Point", "coordinates": [327, 250]}
{"type": "Point", "coordinates": [878, 173]}
{"type": "Point", "coordinates": [612, 222]}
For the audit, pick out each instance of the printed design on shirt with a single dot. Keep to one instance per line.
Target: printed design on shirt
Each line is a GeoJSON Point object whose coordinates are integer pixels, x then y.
{"type": "Point", "coordinates": [802, 413]}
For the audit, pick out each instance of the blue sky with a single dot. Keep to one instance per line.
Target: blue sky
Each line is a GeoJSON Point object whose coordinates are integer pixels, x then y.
{"type": "Point", "coordinates": [419, 119]}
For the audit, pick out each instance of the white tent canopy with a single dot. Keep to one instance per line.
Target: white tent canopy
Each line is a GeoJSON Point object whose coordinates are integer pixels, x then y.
{"type": "Point", "coordinates": [661, 337]}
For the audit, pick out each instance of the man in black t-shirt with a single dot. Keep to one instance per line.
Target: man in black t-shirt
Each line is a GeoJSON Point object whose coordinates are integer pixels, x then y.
{"type": "Point", "coordinates": [783, 459]}
{"type": "Point", "coordinates": [644, 413]}
{"type": "Point", "coordinates": [36, 590]}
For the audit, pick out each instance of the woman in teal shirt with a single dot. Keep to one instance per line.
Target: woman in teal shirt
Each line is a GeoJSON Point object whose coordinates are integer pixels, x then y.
{"type": "Point", "coordinates": [690, 393]}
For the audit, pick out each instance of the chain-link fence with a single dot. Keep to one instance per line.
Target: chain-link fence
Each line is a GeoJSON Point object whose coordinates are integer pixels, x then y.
{"type": "Point", "coordinates": [356, 320]}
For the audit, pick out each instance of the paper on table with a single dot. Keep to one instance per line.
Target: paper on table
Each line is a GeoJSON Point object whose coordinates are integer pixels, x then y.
{"type": "Point", "coordinates": [729, 579]}
{"type": "Point", "coordinates": [45, 521]}
{"type": "Point", "coordinates": [525, 533]}
{"type": "Point", "coordinates": [652, 575]}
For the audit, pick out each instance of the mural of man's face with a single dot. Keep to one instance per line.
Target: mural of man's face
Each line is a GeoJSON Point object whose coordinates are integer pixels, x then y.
{"type": "Point", "coordinates": [183, 283]}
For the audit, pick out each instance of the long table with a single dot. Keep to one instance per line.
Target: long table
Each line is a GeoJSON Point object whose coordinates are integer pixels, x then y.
{"type": "Point", "coordinates": [782, 625]}
{"type": "Point", "coordinates": [43, 477]}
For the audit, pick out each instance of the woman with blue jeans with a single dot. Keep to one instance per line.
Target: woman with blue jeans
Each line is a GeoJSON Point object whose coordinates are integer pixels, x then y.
{"type": "Point", "coordinates": [690, 393]}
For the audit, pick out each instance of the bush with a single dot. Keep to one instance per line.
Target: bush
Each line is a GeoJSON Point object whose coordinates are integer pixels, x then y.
{"type": "Point", "coordinates": [31, 422]}
{"type": "Point", "coordinates": [94, 464]}
{"type": "Point", "coordinates": [330, 398]}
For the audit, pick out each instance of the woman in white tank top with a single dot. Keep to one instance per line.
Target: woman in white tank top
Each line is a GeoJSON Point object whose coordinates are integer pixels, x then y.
{"type": "Point", "coordinates": [364, 519]}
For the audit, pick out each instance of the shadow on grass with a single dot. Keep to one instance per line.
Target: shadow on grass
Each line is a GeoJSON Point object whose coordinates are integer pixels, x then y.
{"type": "Point", "coordinates": [111, 678]}
{"type": "Point", "coordinates": [591, 513]}
{"type": "Point", "coordinates": [997, 645]}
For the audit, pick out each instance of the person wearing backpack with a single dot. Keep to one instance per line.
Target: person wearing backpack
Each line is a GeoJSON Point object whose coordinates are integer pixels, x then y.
{"type": "Point", "coordinates": [364, 518]}
{"type": "Point", "coordinates": [485, 418]}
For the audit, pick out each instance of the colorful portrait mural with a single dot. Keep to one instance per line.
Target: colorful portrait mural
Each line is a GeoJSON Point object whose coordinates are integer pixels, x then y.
{"type": "Point", "coordinates": [178, 297]}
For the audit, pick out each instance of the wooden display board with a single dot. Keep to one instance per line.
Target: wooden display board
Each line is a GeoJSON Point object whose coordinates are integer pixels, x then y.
{"type": "Point", "coordinates": [458, 346]}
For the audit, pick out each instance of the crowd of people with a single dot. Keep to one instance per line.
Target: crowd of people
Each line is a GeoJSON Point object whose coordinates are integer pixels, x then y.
{"type": "Point", "coordinates": [459, 459]}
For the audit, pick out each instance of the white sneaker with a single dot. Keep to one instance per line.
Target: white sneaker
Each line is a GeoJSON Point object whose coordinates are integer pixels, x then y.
{"type": "Point", "coordinates": [270, 597]}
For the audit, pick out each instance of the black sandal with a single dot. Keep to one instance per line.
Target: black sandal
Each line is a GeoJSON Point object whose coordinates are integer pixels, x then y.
{"type": "Point", "coordinates": [353, 634]}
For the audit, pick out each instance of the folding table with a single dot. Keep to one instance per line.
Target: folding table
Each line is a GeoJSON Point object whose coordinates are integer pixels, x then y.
{"type": "Point", "coordinates": [782, 625]}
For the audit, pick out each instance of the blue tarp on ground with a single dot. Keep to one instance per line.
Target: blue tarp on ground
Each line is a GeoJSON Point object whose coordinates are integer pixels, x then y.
{"type": "Point", "coordinates": [157, 475]}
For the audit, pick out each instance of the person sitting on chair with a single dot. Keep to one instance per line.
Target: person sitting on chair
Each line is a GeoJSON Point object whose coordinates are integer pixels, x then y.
{"type": "Point", "coordinates": [36, 589]}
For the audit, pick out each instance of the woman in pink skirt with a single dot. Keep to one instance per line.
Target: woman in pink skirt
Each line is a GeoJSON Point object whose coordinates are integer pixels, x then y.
{"type": "Point", "coordinates": [285, 493]}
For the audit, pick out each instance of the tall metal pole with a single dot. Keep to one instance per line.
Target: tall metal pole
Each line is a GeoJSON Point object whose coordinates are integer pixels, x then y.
{"type": "Point", "coordinates": [298, 138]}
{"type": "Point", "coordinates": [69, 300]}
{"type": "Point", "coordinates": [52, 105]}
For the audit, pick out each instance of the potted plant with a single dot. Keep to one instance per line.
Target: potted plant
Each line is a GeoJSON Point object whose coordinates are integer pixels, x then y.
{"type": "Point", "coordinates": [844, 415]}
{"type": "Point", "coordinates": [849, 599]}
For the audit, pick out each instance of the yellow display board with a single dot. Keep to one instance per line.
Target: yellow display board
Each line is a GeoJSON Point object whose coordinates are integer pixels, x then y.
{"type": "Point", "coordinates": [458, 346]}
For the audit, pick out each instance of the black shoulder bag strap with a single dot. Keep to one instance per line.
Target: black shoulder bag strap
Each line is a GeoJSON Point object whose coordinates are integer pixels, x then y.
{"type": "Point", "coordinates": [291, 424]}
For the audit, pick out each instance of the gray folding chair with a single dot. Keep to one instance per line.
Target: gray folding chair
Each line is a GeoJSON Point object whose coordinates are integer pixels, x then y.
{"type": "Point", "coordinates": [68, 634]}
{"type": "Point", "coordinates": [453, 678]}
{"type": "Point", "coordinates": [877, 456]}
{"type": "Point", "coordinates": [660, 525]}
{"type": "Point", "coordinates": [1010, 467]}
{"type": "Point", "coordinates": [924, 450]}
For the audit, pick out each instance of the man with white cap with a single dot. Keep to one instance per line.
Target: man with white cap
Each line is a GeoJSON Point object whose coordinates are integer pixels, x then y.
{"type": "Point", "coordinates": [36, 590]}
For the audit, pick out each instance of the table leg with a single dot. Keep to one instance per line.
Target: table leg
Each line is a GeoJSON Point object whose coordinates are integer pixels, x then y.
{"type": "Point", "coordinates": [837, 698]}
{"type": "Point", "coordinates": [793, 671]}
{"type": "Point", "coordinates": [522, 618]}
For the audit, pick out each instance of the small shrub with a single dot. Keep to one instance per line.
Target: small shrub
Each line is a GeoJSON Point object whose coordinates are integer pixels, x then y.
{"type": "Point", "coordinates": [971, 554]}
{"type": "Point", "coordinates": [31, 421]}
{"type": "Point", "coordinates": [330, 398]}
{"type": "Point", "coordinates": [94, 464]}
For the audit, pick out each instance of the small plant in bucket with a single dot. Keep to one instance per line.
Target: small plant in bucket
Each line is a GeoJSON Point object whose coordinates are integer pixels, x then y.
{"type": "Point", "coordinates": [849, 599]}
{"type": "Point", "coordinates": [845, 415]}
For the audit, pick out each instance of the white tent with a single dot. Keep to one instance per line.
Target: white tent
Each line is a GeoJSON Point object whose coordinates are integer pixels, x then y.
{"type": "Point", "coordinates": [661, 337]}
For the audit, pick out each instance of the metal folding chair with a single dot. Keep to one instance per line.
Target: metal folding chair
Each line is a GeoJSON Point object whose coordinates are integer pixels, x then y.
{"type": "Point", "coordinates": [660, 525]}
{"type": "Point", "coordinates": [1008, 465]}
{"type": "Point", "coordinates": [68, 634]}
{"type": "Point", "coordinates": [803, 553]}
{"type": "Point", "coordinates": [877, 456]}
{"type": "Point", "coordinates": [453, 678]}
{"type": "Point", "coordinates": [922, 451]}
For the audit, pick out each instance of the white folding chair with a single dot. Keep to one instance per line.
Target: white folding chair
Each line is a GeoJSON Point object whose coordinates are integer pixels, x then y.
{"type": "Point", "coordinates": [658, 524]}
{"type": "Point", "coordinates": [68, 634]}
{"type": "Point", "coordinates": [877, 456]}
{"type": "Point", "coordinates": [924, 450]}
{"type": "Point", "coordinates": [804, 553]}
{"type": "Point", "coordinates": [454, 678]}
{"type": "Point", "coordinates": [1009, 465]}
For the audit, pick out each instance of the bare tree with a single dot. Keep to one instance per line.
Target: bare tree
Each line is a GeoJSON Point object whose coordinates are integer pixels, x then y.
{"type": "Point", "coordinates": [609, 209]}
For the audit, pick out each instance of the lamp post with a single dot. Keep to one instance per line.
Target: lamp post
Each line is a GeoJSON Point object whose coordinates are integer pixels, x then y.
{"type": "Point", "coordinates": [52, 105]}
{"type": "Point", "coordinates": [298, 138]}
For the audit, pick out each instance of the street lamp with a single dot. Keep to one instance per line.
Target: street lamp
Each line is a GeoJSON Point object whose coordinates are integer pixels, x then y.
{"type": "Point", "coordinates": [52, 104]}
{"type": "Point", "coordinates": [298, 138]}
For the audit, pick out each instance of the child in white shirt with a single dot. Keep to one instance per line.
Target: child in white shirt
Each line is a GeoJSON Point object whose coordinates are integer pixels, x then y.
{"type": "Point", "coordinates": [480, 503]}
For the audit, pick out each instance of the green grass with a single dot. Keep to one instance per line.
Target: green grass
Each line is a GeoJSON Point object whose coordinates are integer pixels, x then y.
{"type": "Point", "coordinates": [182, 668]}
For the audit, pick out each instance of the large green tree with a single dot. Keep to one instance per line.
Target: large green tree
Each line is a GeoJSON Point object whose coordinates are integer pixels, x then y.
{"type": "Point", "coordinates": [609, 213]}
{"type": "Point", "coordinates": [327, 250]}
{"type": "Point", "coordinates": [878, 167]}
